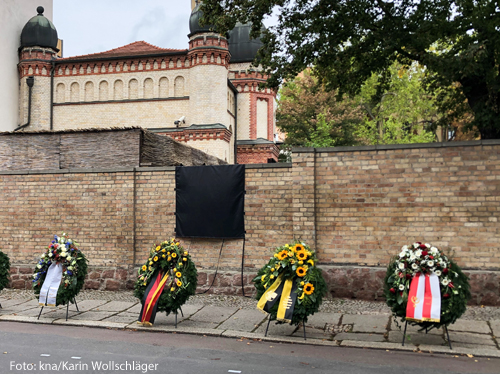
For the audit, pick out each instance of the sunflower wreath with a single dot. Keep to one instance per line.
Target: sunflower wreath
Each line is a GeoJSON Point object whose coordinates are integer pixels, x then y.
{"type": "Point", "coordinates": [4, 270]}
{"type": "Point", "coordinates": [74, 264]}
{"type": "Point", "coordinates": [422, 258]}
{"type": "Point", "coordinates": [171, 257]}
{"type": "Point", "coordinates": [296, 262]}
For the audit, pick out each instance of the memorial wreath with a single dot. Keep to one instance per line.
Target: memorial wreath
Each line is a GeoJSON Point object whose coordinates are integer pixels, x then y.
{"type": "Point", "coordinates": [424, 287]}
{"type": "Point", "coordinates": [66, 266]}
{"type": "Point", "coordinates": [166, 281]}
{"type": "Point", "coordinates": [292, 278]}
{"type": "Point", "coordinates": [4, 270]}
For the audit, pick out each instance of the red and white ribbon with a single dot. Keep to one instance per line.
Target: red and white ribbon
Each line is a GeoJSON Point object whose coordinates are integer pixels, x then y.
{"type": "Point", "coordinates": [424, 299]}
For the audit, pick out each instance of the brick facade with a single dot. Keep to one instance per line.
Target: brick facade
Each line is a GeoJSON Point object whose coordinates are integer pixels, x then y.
{"type": "Point", "coordinates": [357, 206]}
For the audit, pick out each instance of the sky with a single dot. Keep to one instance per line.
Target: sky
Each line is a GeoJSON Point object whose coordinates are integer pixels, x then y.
{"type": "Point", "coordinates": [92, 26]}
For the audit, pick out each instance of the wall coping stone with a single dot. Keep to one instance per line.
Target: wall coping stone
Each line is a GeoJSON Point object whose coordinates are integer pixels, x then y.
{"type": "Point", "coordinates": [396, 146]}
{"type": "Point", "coordinates": [269, 166]}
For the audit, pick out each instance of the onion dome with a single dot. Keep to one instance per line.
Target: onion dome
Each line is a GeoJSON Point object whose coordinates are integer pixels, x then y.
{"type": "Point", "coordinates": [39, 31]}
{"type": "Point", "coordinates": [194, 21]}
{"type": "Point", "coordinates": [241, 46]}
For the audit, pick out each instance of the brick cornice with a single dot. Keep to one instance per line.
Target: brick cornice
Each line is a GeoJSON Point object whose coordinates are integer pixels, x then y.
{"type": "Point", "coordinates": [200, 134]}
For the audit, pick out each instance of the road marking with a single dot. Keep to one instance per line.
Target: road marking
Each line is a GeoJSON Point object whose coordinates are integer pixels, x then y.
{"type": "Point", "coordinates": [45, 355]}
{"type": "Point", "coordinates": [76, 358]}
{"type": "Point", "coordinates": [234, 371]}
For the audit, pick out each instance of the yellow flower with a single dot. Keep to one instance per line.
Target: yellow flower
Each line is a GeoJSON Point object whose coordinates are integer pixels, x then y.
{"type": "Point", "coordinates": [277, 265]}
{"type": "Point", "coordinates": [150, 262]}
{"type": "Point", "coordinates": [265, 286]}
{"type": "Point", "coordinates": [144, 283]}
{"type": "Point", "coordinates": [184, 259]}
{"type": "Point", "coordinates": [282, 255]}
{"type": "Point", "coordinates": [302, 283]}
{"type": "Point", "coordinates": [156, 258]}
{"type": "Point", "coordinates": [169, 258]}
{"type": "Point", "coordinates": [168, 253]}
{"type": "Point", "coordinates": [185, 253]}
{"type": "Point", "coordinates": [309, 253]}
{"type": "Point", "coordinates": [158, 248]}
{"type": "Point", "coordinates": [172, 289]}
{"type": "Point", "coordinates": [262, 278]}
{"type": "Point", "coordinates": [175, 269]}
{"type": "Point", "coordinates": [178, 274]}
{"type": "Point", "coordinates": [276, 255]}
{"type": "Point", "coordinates": [301, 255]}
{"type": "Point", "coordinates": [311, 262]}
{"type": "Point", "coordinates": [163, 256]}
{"type": "Point", "coordinates": [292, 261]}
{"type": "Point", "coordinates": [299, 247]}
{"type": "Point", "coordinates": [290, 253]}
{"type": "Point", "coordinates": [301, 271]}
{"type": "Point", "coordinates": [308, 289]}
{"type": "Point", "coordinates": [301, 262]}
{"type": "Point", "coordinates": [150, 268]}
{"type": "Point", "coordinates": [272, 276]}
{"type": "Point", "coordinates": [180, 264]}
{"type": "Point", "coordinates": [144, 268]}
{"type": "Point", "coordinates": [179, 283]}
{"type": "Point", "coordinates": [272, 269]}
{"type": "Point", "coordinates": [163, 250]}
{"type": "Point", "coordinates": [174, 255]}
{"type": "Point", "coordinates": [301, 297]}
{"type": "Point", "coordinates": [177, 243]}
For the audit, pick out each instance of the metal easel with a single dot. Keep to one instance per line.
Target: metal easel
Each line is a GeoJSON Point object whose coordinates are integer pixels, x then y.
{"type": "Point", "coordinates": [67, 309]}
{"type": "Point", "coordinates": [445, 328]}
{"type": "Point", "coordinates": [303, 325]}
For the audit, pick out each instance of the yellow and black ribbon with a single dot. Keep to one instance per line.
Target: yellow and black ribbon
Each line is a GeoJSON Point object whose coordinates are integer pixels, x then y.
{"type": "Point", "coordinates": [271, 296]}
{"type": "Point", "coordinates": [284, 292]}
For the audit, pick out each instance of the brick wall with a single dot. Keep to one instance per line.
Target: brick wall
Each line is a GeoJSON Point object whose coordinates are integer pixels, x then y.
{"type": "Point", "coordinates": [356, 206]}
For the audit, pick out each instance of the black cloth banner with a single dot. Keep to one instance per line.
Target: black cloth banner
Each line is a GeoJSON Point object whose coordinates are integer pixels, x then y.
{"type": "Point", "coordinates": [210, 201]}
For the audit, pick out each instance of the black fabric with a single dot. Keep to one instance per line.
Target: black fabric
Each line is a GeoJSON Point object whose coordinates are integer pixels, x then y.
{"type": "Point", "coordinates": [210, 201]}
{"type": "Point", "coordinates": [149, 289]}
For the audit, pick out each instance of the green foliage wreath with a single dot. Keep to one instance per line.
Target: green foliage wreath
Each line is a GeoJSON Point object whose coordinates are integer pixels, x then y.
{"type": "Point", "coordinates": [297, 262]}
{"type": "Point", "coordinates": [171, 257]}
{"type": "Point", "coordinates": [424, 258]}
{"type": "Point", "coordinates": [4, 270]}
{"type": "Point", "coordinates": [64, 251]}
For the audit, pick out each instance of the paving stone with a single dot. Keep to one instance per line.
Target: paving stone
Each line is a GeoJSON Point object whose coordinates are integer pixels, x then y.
{"type": "Point", "coordinates": [363, 337]}
{"type": "Point", "coordinates": [284, 329]}
{"type": "Point", "coordinates": [495, 326]}
{"type": "Point", "coordinates": [468, 338]}
{"type": "Point", "coordinates": [86, 305]}
{"type": "Point", "coordinates": [377, 345]}
{"type": "Point", "coordinates": [115, 306]}
{"type": "Point", "coordinates": [135, 309]}
{"type": "Point", "coordinates": [214, 314]}
{"type": "Point", "coordinates": [6, 303]}
{"type": "Point", "coordinates": [75, 322]}
{"type": "Point", "coordinates": [413, 329]}
{"type": "Point", "coordinates": [321, 319]}
{"type": "Point", "coordinates": [21, 307]}
{"type": "Point", "coordinates": [26, 319]}
{"type": "Point", "coordinates": [243, 320]}
{"type": "Point", "coordinates": [195, 325]}
{"type": "Point", "coordinates": [485, 352]}
{"type": "Point", "coordinates": [416, 338]}
{"type": "Point", "coordinates": [93, 316]}
{"type": "Point", "coordinates": [189, 309]}
{"type": "Point", "coordinates": [478, 327]}
{"type": "Point", "coordinates": [122, 318]}
{"type": "Point", "coordinates": [364, 323]}
{"type": "Point", "coordinates": [470, 345]}
{"type": "Point", "coordinates": [312, 333]}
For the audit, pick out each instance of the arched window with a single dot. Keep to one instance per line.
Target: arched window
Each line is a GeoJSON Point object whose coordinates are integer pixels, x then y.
{"type": "Point", "coordinates": [118, 90]}
{"type": "Point", "coordinates": [89, 91]}
{"type": "Point", "coordinates": [75, 92]}
{"type": "Point", "coordinates": [133, 89]}
{"type": "Point", "coordinates": [60, 93]}
{"type": "Point", "coordinates": [148, 88]}
{"type": "Point", "coordinates": [163, 87]}
{"type": "Point", "coordinates": [103, 91]}
{"type": "Point", "coordinates": [179, 87]}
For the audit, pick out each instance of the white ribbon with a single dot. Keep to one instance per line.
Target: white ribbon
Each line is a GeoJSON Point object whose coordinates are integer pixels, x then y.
{"type": "Point", "coordinates": [48, 293]}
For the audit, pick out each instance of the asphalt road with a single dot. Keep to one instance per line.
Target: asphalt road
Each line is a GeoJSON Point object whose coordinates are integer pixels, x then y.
{"type": "Point", "coordinates": [32, 348]}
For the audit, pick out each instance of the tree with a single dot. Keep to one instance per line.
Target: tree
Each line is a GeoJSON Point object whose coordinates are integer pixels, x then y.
{"type": "Point", "coordinates": [313, 117]}
{"type": "Point", "coordinates": [403, 114]}
{"type": "Point", "coordinates": [346, 41]}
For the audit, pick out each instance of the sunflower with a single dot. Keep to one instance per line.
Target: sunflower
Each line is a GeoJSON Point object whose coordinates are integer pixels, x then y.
{"type": "Point", "coordinates": [178, 274]}
{"type": "Point", "coordinates": [298, 247]}
{"type": "Point", "coordinates": [174, 255]}
{"type": "Point", "coordinates": [156, 258]}
{"type": "Point", "coordinates": [282, 255]}
{"type": "Point", "coordinates": [158, 248]}
{"type": "Point", "coordinates": [144, 268]}
{"type": "Point", "coordinates": [301, 271]}
{"type": "Point", "coordinates": [308, 289]}
{"type": "Point", "coordinates": [179, 283]}
{"type": "Point", "coordinates": [301, 255]}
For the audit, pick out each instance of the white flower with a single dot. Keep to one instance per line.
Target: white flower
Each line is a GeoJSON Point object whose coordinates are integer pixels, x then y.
{"type": "Point", "coordinates": [402, 254]}
{"type": "Point", "coordinates": [73, 262]}
{"type": "Point", "coordinates": [401, 266]}
{"type": "Point", "coordinates": [438, 273]}
{"type": "Point", "coordinates": [70, 267]}
{"type": "Point", "coordinates": [430, 263]}
{"type": "Point", "coordinates": [66, 281]}
{"type": "Point", "coordinates": [445, 281]}
{"type": "Point", "coordinates": [34, 275]}
{"type": "Point", "coordinates": [39, 266]}
{"type": "Point", "coordinates": [64, 254]}
{"type": "Point", "coordinates": [404, 248]}
{"type": "Point", "coordinates": [434, 250]}
{"type": "Point", "coordinates": [414, 266]}
{"type": "Point", "coordinates": [427, 245]}
{"type": "Point", "coordinates": [413, 258]}
{"type": "Point", "coordinates": [401, 287]}
{"type": "Point", "coordinates": [43, 256]}
{"type": "Point", "coordinates": [418, 253]}
{"type": "Point", "coordinates": [416, 245]}
{"type": "Point", "coordinates": [69, 258]}
{"type": "Point", "coordinates": [50, 254]}
{"type": "Point", "coordinates": [422, 263]}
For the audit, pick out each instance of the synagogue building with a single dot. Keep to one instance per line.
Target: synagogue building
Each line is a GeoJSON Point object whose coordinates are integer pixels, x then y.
{"type": "Point", "coordinates": [206, 96]}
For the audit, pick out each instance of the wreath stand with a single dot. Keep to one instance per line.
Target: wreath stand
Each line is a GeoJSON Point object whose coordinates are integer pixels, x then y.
{"type": "Point", "coordinates": [67, 310]}
{"type": "Point", "coordinates": [404, 334]}
{"type": "Point", "coordinates": [303, 325]}
{"type": "Point", "coordinates": [182, 314]}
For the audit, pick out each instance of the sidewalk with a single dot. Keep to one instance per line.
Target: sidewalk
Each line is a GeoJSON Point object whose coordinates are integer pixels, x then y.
{"type": "Point", "coordinates": [354, 324]}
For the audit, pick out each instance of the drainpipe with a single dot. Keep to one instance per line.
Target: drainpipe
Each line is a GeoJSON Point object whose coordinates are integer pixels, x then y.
{"type": "Point", "coordinates": [235, 91]}
{"type": "Point", "coordinates": [29, 81]}
{"type": "Point", "coordinates": [52, 95]}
